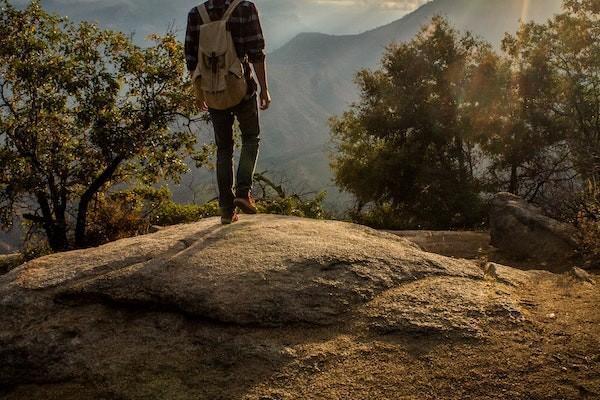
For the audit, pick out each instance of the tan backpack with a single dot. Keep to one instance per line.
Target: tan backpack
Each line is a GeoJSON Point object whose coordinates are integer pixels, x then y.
{"type": "Point", "coordinates": [219, 76]}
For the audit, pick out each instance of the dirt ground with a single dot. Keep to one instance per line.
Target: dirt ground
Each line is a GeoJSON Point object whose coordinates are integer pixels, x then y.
{"type": "Point", "coordinates": [554, 355]}
{"type": "Point", "coordinates": [508, 364]}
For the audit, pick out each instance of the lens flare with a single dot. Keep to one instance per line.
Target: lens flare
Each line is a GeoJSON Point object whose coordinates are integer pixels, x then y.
{"type": "Point", "coordinates": [525, 11]}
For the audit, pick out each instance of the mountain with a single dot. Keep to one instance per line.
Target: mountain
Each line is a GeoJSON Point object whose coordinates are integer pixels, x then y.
{"type": "Point", "coordinates": [281, 19]}
{"type": "Point", "coordinates": [311, 78]}
{"type": "Point", "coordinates": [143, 17]}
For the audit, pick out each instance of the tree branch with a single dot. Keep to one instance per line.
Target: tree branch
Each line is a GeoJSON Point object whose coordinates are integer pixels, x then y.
{"type": "Point", "coordinates": [87, 196]}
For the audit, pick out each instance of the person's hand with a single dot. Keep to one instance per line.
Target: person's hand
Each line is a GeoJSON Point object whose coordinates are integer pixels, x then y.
{"type": "Point", "coordinates": [265, 99]}
{"type": "Point", "coordinates": [204, 107]}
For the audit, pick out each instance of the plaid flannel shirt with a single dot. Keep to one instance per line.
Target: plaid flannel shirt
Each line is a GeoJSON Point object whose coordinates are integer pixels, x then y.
{"type": "Point", "coordinates": [245, 29]}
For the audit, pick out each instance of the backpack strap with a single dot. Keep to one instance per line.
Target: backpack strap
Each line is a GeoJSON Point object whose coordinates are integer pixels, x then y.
{"type": "Point", "coordinates": [204, 14]}
{"type": "Point", "coordinates": [231, 9]}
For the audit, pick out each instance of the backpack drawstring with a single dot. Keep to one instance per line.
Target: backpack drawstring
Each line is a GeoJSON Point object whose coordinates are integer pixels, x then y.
{"type": "Point", "coordinates": [213, 61]}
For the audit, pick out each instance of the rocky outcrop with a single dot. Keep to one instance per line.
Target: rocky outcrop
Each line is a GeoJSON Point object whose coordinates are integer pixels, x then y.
{"type": "Point", "coordinates": [205, 311]}
{"type": "Point", "coordinates": [521, 230]}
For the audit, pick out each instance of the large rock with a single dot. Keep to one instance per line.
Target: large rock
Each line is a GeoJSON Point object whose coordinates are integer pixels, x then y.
{"type": "Point", "coordinates": [205, 311]}
{"type": "Point", "coordinates": [521, 230]}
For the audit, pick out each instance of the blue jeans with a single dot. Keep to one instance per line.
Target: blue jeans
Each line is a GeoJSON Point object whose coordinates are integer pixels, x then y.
{"type": "Point", "coordinates": [247, 115]}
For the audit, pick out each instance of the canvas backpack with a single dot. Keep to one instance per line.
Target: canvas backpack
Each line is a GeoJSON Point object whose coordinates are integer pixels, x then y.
{"type": "Point", "coordinates": [219, 76]}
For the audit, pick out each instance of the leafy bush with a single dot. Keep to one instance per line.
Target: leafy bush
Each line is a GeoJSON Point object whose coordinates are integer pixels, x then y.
{"type": "Point", "coordinates": [124, 214]}
{"type": "Point", "coordinates": [294, 205]}
{"type": "Point", "coordinates": [35, 247]}
{"type": "Point", "coordinates": [471, 214]}
{"type": "Point", "coordinates": [132, 212]}
{"type": "Point", "coordinates": [382, 216]}
{"type": "Point", "coordinates": [171, 213]}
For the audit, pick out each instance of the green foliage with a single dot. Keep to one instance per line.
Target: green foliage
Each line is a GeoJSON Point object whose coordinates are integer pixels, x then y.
{"type": "Point", "coordinates": [446, 120]}
{"type": "Point", "coordinates": [171, 213]}
{"type": "Point", "coordinates": [381, 216]}
{"type": "Point", "coordinates": [294, 205]}
{"type": "Point", "coordinates": [408, 145]}
{"type": "Point", "coordinates": [132, 212]}
{"type": "Point", "coordinates": [275, 200]}
{"type": "Point", "coordinates": [565, 52]}
{"type": "Point", "coordinates": [124, 213]}
{"type": "Point", "coordinates": [35, 248]}
{"type": "Point", "coordinates": [521, 138]}
{"type": "Point", "coordinates": [83, 109]}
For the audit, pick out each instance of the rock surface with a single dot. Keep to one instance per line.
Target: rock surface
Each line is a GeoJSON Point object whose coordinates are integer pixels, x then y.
{"type": "Point", "coordinates": [254, 310]}
{"type": "Point", "coordinates": [521, 230]}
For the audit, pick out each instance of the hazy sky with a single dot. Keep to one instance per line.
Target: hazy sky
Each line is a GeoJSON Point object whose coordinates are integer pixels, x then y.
{"type": "Point", "coordinates": [282, 19]}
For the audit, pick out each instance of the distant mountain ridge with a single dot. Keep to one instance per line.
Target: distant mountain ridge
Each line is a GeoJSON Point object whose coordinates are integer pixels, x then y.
{"type": "Point", "coordinates": [312, 77]}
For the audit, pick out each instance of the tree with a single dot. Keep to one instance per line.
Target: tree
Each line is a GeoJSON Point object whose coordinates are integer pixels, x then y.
{"type": "Point", "coordinates": [520, 135]}
{"type": "Point", "coordinates": [81, 110]}
{"type": "Point", "coordinates": [408, 143]}
{"type": "Point", "coordinates": [570, 45]}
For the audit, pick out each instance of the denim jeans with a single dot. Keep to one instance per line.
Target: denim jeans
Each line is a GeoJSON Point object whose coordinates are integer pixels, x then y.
{"type": "Point", "coordinates": [247, 115]}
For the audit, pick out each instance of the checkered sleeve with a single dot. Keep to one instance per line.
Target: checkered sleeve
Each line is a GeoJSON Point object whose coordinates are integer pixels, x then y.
{"type": "Point", "coordinates": [192, 39]}
{"type": "Point", "coordinates": [252, 35]}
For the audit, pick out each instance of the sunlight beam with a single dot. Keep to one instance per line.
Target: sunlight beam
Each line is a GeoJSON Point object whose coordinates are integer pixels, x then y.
{"type": "Point", "coordinates": [525, 11]}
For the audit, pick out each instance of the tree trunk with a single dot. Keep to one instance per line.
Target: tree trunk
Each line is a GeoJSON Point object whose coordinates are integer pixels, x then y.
{"type": "Point", "coordinates": [86, 198]}
{"type": "Point", "coordinates": [56, 231]}
{"type": "Point", "coordinates": [460, 153]}
{"type": "Point", "coordinates": [57, 237]}
{"type": "Point", "coordinates": [514, 179]}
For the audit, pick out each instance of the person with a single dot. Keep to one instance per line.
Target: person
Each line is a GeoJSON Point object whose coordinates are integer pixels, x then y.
{"type": "Point", "coordinates": [246, 31]}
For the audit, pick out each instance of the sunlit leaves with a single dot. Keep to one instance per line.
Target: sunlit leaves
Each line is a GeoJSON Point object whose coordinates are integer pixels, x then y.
{"type": "Point", "coordinates": [76, 99]}
{"type": "Point", "coordinates": [567, 50]}
{"type": "Point", "coordinates": [407, 144]}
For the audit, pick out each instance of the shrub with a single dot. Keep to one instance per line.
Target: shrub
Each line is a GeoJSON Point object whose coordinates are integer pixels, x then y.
{"type": "Point", "coordinates": [294, 205]}
{"type": "Point", "coordinates": [133, 212]}
{"type": "Point", "coordinates": [470, 212]}
{"type": "Point", "coordinates": [124, 214]}
{"type": "Point", "coordinates": [171, 213]}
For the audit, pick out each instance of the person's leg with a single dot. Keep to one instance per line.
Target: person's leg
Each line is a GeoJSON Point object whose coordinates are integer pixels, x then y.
{"type": "Point", "coordinates": [223, 125]}
{"type": "Point", "coordinates": [247, 115]}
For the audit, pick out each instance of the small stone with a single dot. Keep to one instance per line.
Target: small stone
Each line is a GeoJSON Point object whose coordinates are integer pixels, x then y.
{"type": "Point", "coordinates": [490, 270]}
{"type": "Point", "coordinates": [551, 316]}
{"type": "Point", "coordinates": [582, 275]}
{"type": "Point", "coordinates": [155, 228]}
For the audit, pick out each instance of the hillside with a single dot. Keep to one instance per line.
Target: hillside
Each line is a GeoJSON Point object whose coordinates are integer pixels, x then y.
{"type": "Point", "coordinates": [282, 308]}
{"type": "Point", "coordinates": [281, 19]}
{"type": "Point", "coordinates": [312, 77]}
